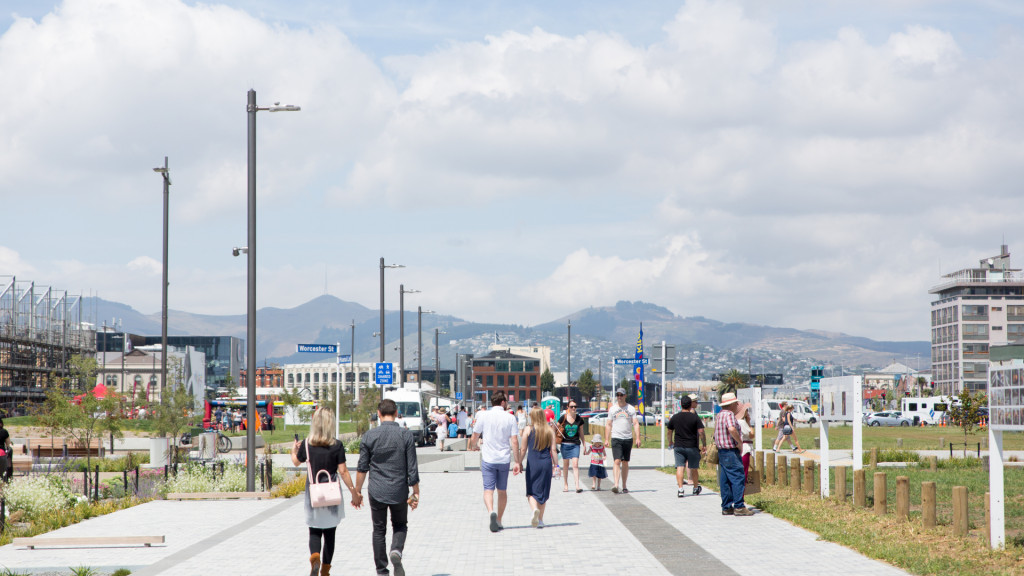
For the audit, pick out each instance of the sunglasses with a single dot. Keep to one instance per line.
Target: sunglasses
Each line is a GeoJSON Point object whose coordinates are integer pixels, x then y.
{"type": "Point", "coordinates": [620, 394]}
{"type": "Point", "coordinates": [572, 405]}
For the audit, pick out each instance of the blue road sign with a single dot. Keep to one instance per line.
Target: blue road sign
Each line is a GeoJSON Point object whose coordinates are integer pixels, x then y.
{"type": "Point", "coordinates": [632, 361]}
{"type": "Point", "coordinates": [317, 348]}
{"type": "Point", "coordinates": [458, 395]}
{"type": "Point", "coordinates": [345, 359]}
{"type": "Point", "coordinates": [385, 373]}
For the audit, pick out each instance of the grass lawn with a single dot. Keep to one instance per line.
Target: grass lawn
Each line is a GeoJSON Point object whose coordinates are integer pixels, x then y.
{"type": "Point", "coordinates": [902, 543]}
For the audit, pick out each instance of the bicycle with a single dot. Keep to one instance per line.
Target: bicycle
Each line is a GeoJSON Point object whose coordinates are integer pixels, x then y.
{"type": "Point", "coordinates": [223, 441]}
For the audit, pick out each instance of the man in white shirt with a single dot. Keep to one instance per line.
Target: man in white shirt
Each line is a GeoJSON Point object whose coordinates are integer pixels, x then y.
{"type": "Point", "coordinates": [623, 428]}
{"type": "Point", "coordinates": [498, 452]}
{"type": "Point", "coordinates": [463, 421]}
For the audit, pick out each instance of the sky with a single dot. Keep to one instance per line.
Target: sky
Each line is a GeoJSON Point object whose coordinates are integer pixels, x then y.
{"type": "Point", "coordinates": [806, 164]}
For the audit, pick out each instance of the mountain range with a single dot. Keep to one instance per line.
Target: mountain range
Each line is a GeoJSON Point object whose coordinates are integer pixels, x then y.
{"type": "Point", "coordinates": [604, 330]}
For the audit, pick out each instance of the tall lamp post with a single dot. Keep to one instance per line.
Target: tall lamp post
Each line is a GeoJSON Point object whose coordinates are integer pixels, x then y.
{"type": "Point", "coordinates": [163, 287]}
{"type": "Point", "coordinates": [419, 341]}
{"type": "Point", "coordinates": [250, 382]}
{"type": "Point", "coordinates": [401, 331]}
{"type": "Point", "coordinates": [352, 363]}
{"type": "Point", "coordinates": [382, 267]}
{"type": "Point", "coordinates": [437, 361]}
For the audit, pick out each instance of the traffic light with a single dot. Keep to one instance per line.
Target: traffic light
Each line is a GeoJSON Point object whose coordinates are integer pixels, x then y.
{"type": "Point", "coordinates": [883, 395]}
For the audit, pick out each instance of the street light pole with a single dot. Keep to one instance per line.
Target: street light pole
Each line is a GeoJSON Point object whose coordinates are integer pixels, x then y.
{"type": "Point", "coordinates": [382, 267]}
{"type": "Point", "coordinates": [163, 310]}
{"type": "Point", "coordinates": [419, 341]}
{"type": "Point", "coordinates": [401, 331]}
{"type": "Point", "coordinates": [437, 362]}
{"type": "Point", "coordinates": [352, 364]}
{"type": "Point", "coordinates": [250, 362]}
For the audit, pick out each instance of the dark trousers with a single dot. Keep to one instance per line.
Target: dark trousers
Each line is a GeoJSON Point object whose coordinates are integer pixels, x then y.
{"type": "Point", "coordinates": [327, 552]}
{"type": "Point", "coordinates": [399, 527]}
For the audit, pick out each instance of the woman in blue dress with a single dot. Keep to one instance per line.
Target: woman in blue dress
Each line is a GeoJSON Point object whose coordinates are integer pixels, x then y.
{"type": "Point", "coordinates": [539, 439]}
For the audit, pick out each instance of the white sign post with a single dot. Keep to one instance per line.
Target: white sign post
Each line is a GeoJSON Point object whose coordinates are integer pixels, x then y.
{"type": "Point", "coordinates": [840, 401]}
{"type": "Point", "coordinates": [1006, 412]}
{"type": "Point", "coordinates": [752, 396]}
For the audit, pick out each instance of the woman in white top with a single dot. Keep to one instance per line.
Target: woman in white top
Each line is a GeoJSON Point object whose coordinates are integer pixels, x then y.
{"type": "Point", "coordinates": [747, 433]}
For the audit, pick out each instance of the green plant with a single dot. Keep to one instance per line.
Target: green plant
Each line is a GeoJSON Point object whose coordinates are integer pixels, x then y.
{"type": "Point", "coordinates": [966, 413]}
{"type": "Point", "coordinates": [83, 571]}
{"type": "Point", "coordinates": [352, 447]}
{"type": "Point", "coordinates": [9, 572]}
{"type": "Point", "coordinates": [121, 572]}
{"type": "Point", "coordinates": [291, 487]}
{"type": "Point", "coordinates": [38, 495]}
{"type": "Point", "coordinates": [892, 455]}
{"type": "Point", "coordinates": [959, 463]}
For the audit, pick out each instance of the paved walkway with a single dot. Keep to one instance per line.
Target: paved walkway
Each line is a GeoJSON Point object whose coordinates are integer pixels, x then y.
{"type": "Point", "coordinates": [649, 531]}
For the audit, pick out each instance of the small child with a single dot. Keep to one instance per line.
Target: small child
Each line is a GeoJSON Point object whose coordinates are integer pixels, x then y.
{"type": "Point", "coordinates": [597, 471]}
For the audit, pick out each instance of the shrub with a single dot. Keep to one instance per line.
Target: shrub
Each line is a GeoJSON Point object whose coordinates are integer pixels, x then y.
{"type": "Point", "coordinates": [892, 455]}
{"type": "Point", "coordinates": [36, 495]}
{"type": "Point", "coordinates": [959, 463]}
{"type": "Point", "coordinates": [352, 447]}
{"type": "Point", "coordinates": [118, 464]}
{"type": "Point", "coordinates": [291, 487]}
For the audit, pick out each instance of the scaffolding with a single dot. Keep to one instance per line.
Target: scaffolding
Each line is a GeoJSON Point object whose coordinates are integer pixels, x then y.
{"type": "Point", "coordinates": [40, 330]}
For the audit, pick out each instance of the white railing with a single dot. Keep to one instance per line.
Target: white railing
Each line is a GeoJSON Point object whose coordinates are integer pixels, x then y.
{"type": "Point", "coordinates": [981, 277]}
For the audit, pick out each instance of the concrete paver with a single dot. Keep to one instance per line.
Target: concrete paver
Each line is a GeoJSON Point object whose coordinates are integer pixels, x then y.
{"type": "Point", "coordinates": [449, 534]}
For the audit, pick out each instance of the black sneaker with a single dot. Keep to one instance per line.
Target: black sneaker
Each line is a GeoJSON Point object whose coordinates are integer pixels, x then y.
{"type": "Point", "coordinates": [727, 511]}
{"type": "Point", "coordinates": [680, 493]}
{"type": "Point", "coordinates": [697, 489]}
{"type": "Point", "coordinates": [396, 562]}
{"type": "Point", "coordinates": [494, 522]}
{"type": "Point", "coordinates": [743, 512]}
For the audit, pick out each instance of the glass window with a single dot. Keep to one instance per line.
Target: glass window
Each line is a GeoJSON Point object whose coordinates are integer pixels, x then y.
{"type": "Point", "coordinates": [291, 378]}
{"type": "Point", "coordinates": [516, 366]}
{"type": "Point", "coordinates": [1015, 312]}
{"type": "Point", "coordinates": [490, 381]}
{"type": "Point", "coordinates": [522, 381]}
{"type": "Point", "coordinates": [533, 380]}
{"type": "Point", "coordinates": [316, 378]}
{"type": "Point", "coordinates": [501, 366]}
{"type": "Point", "coordinates": [1015, 331]}
{"type": "Point", "coordinates": [975, 332]}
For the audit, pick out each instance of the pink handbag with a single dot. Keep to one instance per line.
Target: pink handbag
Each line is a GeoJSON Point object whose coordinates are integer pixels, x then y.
{"type": "Point", "coordinates": [321, 493]}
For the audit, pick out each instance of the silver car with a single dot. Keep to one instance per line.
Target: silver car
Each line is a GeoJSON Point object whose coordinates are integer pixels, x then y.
{"type": "Point", "coordinates": [890, 418]}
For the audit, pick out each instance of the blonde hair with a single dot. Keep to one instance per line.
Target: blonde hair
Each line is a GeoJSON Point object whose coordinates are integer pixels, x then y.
{"type": "Point", "coordinates": [321, 428]}
{"type": "Point", "coordinates": [543, 435]}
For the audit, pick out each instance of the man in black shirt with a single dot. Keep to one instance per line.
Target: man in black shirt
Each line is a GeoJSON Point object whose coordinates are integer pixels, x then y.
{"type": "Point", "coordinates": [687, 427]}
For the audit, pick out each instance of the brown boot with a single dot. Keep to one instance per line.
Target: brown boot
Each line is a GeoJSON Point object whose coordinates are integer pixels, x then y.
{"type": "Point", "coordinates": [314, 562]}
{"type": "Point", "coordinates": [325, 570]}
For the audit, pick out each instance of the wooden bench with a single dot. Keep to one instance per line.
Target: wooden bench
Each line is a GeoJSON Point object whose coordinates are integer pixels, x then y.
{"type": "Point", "coordinates": [218, 495]}
{"type": "Point", "coordinates": [54, 448]}
{"type": "Point", "coordinates": [36, 542]}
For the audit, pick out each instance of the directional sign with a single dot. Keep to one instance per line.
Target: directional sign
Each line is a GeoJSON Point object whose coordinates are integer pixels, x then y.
{"type": "Point", "coordinates": [317, 348]}
{"type": "Point", "coordinates": [385, 373]}
{"type": "Point", "coordinates": [632, 361]}
{"type": "Point", "coordinates": [345, 359]}
{"type": "Point", "coordinates": [458, 395]}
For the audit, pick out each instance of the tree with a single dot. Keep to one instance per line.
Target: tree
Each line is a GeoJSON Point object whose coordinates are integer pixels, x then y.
{"type": "Point", "coordinates": [367, 406]}
{"type": "Point", "coordinates": [732, 381]}
{"type": "Point", "coordinates": [547, 382]}
{"type": "Point", "coordinates": [965, 413]}
{"type": "Point", "coordinates": [230, 387]}
{"type": "Point", "coordinates": [292, 401]}
{"type": "Point", "coordinates": [176, 409]}
{"type": "Point", "coordinates": [587, 384]}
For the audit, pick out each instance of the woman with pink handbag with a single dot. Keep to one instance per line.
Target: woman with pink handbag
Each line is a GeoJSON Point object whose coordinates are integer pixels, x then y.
{"type": "Point", "coordinates": [324, 509]}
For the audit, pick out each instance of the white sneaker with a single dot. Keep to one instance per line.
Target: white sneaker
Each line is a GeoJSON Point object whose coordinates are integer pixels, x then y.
{"type": "Point", "coordinates": [540, 524]}
{"type": "Point", "coordinates": [680, 493]}
{"type": "Point", "coordinates": [536, 518]}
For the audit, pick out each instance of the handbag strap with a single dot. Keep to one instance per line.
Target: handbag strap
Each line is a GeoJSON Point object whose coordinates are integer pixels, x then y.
{"type": "Point", "coordinates": [309, 464]}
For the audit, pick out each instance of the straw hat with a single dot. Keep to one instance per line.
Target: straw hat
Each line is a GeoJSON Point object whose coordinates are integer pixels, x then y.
{"type": "Point", "coordinates": [596, 439]}
{"type": "Point", "coordinates": [727, 399]}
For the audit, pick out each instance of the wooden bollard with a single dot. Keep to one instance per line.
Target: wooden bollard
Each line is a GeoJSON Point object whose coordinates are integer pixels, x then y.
{"type": "Point", "coordinates": [928, 504]}
{"type": "Point", "coordinates": [942, 442]}
{"type": "Point", "coordinates": [809, 476]}
{"type": "Point", "coordinates": [758, 462]}
{"type": "Point", "coordinates": [769, 468]}
{"type": "Point", "coordinates": [933, 463]}
{"type": "Point", "coordinates": [841, 483]}
{"type": "Point", "coordinates": [960, 518]}
{"type": "Point", "coordinates": [794, 475]}
{"type": "Point", "coordinates": [783, 471]}
{"type": "Point", "coordinates": [899, 442]}
{"type": "Point", "coordinates": [881, 505]}
{"type": "Point", "coordinates": [903, 497]}
{"type": "Point", "coordinates": [874, 457]}
{"type": "Point", "coordinates": [860, 497]}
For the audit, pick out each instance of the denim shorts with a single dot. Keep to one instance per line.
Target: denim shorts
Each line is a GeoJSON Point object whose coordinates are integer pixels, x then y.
{"type": "Point", "coordinates": [495, 475]}
{"type": "Point", "coordinates": [688, 457]}
{"type": "Point", "coordinates": [570, 451]}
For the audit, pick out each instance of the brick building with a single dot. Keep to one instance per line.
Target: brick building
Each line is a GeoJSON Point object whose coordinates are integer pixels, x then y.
{"type": "Point", "coordinates": [517, 376]}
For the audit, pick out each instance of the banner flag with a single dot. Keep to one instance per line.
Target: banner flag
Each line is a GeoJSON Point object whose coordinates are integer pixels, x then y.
{"type": "Point", "coordinates": [638, 372]}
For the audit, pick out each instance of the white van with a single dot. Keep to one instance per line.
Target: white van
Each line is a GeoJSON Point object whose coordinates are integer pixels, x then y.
{"type": "Point", "coordinates": [410, 412]}
{"type": "Point", "coordinates": [929, 410]}
{"type": "Point", "coordinates": [801, 411]}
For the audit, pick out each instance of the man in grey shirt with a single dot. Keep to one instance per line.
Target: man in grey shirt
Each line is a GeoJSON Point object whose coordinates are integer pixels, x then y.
{"type": "Point", "coordinates": [388, 453]}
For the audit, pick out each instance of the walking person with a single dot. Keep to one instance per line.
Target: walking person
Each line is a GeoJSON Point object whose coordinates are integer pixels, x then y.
{"type": "Point", "coordinates": [462, 419]}
{"type": "Point", "coordinates": [441, 430]}
{"type": "Point", "coordinates": [539, 440]}
{"type": "Point", "coordinates": [499, 450]}
{"type": "Point", "coordinates": [597, 471]}
{"type": "Point", "coordinates": [388, 454]}
{"type": "Point", "coordinates": [323, 452]}
{"type": "Point", "coordinates": [569, 427]}
{"type": "Point", "coordinates": [687, 427]}
{"type": "Point", "coordinates": [780, 424]}
{"type": "Point", "coordinates": [624, 430]}
{"type": "Point", "coordinates": [787, 430]}
{"type": "Point", "coordinates": [731, 482]}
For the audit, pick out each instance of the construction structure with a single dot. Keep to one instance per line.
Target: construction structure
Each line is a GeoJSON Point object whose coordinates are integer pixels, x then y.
{"type": "Point", "coordinates": [41, 329]}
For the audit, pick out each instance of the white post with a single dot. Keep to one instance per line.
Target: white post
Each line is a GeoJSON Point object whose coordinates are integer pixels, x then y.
{"type": "Point", "coordinates": [858, 435]}
{"type": "Point", "coordinates": [337, 392]}
{"type": "Point", "coordinates": [823, 427]}
{"type": "Point", "coordinates": [997, 529]}
{"type": "Point", "coordinates": [612, 394]}
{"type": "Point", "coordinates": [664, 382]}
{"type": "Point", "coordinates": [757, 419]}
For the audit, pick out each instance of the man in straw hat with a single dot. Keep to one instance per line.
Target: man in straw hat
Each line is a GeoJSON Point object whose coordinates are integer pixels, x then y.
{"type": "Point", "coordinates": [730, 465]}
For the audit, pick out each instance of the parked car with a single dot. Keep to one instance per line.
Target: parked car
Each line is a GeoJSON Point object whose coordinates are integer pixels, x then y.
{"type": "Point", "coordinates": [891, 418]}
{"type": "Point", "coordinates": [598, 419]}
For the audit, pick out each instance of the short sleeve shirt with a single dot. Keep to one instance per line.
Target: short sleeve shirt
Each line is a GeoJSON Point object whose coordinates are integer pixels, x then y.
{"type": "Point", "coordinates": [621, 418]}
{"type": "Point", "coordinates": [570, 432]}
{"type": "Point", "coordinates": [686, 427]}
{"type": "Point", "coordinates": [323, 457]}
{"type": "Point", "coordinates": [496, 427]}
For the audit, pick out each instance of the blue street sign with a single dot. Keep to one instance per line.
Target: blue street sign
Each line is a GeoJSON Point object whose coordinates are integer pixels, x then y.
{"type": "Point", "coordinates": [458, 395]}
{"type": "Point", "coordinates": [345, 359]}
{"type": "Point", "coordinates": [317, 348]}
{"type": "Point", "coordinates": [385, 373]}
{"type": "Point", "coordinates": [632, 361]}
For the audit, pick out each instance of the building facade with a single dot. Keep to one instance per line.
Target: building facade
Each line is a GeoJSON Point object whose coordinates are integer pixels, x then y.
{"type": "Point", "coordinates": [318, 376]}
{"type": "Point", "coordinates": [975, 308]}
{"type": "Point", "coordinates": [225, 355]}
{"type": "Point", "coordinates": [137, 373]}
{"type": "Point", "coordinates": [515, 375]}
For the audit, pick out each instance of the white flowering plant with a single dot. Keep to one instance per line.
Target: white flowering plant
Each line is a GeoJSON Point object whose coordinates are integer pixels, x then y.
{"type": "Point", "coordinates": [35, 495]}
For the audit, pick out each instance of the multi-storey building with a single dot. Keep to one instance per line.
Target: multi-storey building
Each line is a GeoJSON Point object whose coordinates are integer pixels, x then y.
{"type": "Point", "coordinates": [517, 376]}
{"type": "Point", "coordinates": [975, 308]}
{"type": "Point", "coordinates": [318, 376]}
